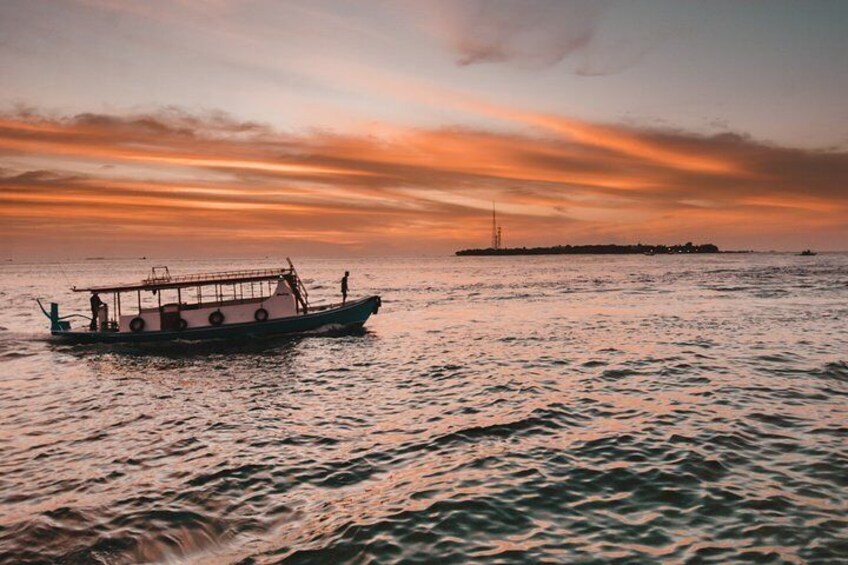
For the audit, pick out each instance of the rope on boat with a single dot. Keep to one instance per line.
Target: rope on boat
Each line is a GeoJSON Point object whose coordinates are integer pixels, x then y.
{"type": "Point", "coordinates": [44, 311]}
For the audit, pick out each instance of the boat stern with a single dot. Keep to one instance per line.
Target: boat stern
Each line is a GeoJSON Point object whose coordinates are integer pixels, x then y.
{"type": "Point", "coordinates": [57, 324]}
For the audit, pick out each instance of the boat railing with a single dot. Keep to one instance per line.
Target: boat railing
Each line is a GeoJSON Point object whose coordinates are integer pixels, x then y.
{"type": "Point", "coordinates": [303, 294]}
{"type": "Point", "coordinates": [159, 275]}
{"type": "Point", "coordinates": [218, 276]}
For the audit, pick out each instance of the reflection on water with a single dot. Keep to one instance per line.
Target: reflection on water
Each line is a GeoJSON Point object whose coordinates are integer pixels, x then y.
{"type": "Point", "coordinates": [569, 409]}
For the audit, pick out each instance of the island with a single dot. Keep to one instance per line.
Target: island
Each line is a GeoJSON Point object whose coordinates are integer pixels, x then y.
{"type": "Point", "coordinates": [597, 249]}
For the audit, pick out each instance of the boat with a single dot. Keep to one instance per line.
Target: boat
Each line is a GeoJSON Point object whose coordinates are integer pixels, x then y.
{"type": "Point", "coordinates": [207, 306]}
{"type": "Point", "coordinates": [808, 253]}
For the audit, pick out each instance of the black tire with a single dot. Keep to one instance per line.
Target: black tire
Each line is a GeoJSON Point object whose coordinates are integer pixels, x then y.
{"type": "Point", "coordinates": [136, 324]}
{"type": "Point", "coordinates": [216, 318]}
{"type": "Point", "coordinates": [261, 315]}
{"type": "Point", "coordinates": [182, 324]}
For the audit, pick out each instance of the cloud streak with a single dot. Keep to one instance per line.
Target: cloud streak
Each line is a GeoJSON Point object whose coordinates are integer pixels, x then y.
{"type": "Point", "coordinates": [535, 34]}
{"type": "Point", "coordinates": [183, 182]}
{"type": "Point", "coordinates": [531, 33]}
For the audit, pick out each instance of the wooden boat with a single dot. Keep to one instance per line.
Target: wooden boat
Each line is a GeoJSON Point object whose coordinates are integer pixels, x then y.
{"type": "Point", "coordinates": [225, 305]}
{"type": "Point", "coordinates": [808, 253]}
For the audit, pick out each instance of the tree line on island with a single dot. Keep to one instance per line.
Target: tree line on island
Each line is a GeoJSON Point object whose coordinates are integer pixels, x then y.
{"type": "Point", "coordinates": [602, 249]}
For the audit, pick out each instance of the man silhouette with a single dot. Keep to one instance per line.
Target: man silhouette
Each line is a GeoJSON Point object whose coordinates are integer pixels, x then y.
{"type": "Point", "coordinates": [96, 303]}
{"type": "Point", "coordinates": [344, 286]}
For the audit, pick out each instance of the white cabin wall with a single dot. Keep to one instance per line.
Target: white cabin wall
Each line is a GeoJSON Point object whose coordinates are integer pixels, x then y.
{"type": "Point", "coordinates": [280, 305]}
{"type": "Point", "coordinates": [152, 321]}
{"type": "Point", "coordinates": [277, 306]}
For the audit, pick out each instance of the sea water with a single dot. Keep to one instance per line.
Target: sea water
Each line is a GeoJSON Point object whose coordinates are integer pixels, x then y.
{"type": "Point", "coordinates": [564, 409]}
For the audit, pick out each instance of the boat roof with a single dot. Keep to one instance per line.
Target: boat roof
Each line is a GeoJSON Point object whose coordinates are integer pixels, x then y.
{"type": "Point", "coordinates": [165, 281]}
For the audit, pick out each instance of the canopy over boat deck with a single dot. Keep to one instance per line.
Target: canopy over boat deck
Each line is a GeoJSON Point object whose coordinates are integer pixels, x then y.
{"type": "Point", "coordinates": [161, 279]}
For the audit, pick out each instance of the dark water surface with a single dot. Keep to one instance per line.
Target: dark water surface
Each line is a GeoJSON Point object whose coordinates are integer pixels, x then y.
{"type": "Point", "coordinates": [497, 410]}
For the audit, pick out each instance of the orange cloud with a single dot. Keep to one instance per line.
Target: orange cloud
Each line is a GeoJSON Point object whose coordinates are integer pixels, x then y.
{"type": "Point", "coordinates": [175, 181]}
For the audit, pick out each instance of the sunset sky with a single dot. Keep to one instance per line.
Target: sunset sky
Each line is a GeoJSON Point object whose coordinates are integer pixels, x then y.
{"type": "Point", "coordinates": [341, 127]}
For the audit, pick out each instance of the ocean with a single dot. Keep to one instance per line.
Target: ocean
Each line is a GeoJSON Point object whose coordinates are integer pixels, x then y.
{"type": "Point", "coordinates": [563, 409]}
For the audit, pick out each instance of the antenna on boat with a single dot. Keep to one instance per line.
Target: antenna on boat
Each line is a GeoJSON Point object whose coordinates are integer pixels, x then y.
{"type": "Point", "coordinates": [64, 274]}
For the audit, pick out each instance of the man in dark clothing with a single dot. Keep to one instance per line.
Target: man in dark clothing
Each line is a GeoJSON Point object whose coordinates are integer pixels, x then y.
{"type": "Point", "coordinates": [344, 287]}
{"type": "Point", "coordinates": [96, 303]}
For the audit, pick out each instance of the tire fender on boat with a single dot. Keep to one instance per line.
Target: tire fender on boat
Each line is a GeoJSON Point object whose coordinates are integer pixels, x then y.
{"type": "Point", "coordinates": [182, 324]}
{"type": "Point", "coordinates": [260, 315]}
{"type": "Point", "coordinates": [216, 318]}
{"type": "Point", "coordinates": [137, 324]}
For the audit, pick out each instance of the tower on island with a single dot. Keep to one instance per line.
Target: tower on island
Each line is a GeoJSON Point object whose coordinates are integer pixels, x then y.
{"type": "Point", "coordinates": [496, 230]}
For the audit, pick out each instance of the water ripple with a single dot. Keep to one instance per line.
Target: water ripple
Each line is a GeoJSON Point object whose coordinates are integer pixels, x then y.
{"type": "Point", "coordinates": [614, 410]}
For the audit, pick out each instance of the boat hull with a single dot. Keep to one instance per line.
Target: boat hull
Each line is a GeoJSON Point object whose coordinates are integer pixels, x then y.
{"type": "Point", "coordinates": [349, 316]}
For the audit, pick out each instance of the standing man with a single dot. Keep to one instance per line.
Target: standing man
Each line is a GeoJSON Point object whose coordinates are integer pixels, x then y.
{"type": "Point", "coordinates": [96, 303]}
{"type": "Point", "coordinates": [344, 286]}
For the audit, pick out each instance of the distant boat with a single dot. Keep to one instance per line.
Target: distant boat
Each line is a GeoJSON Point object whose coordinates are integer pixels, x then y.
{"type": "Point", "coordinates": [226, 305]}
{"type": "Point", "coordinates": [807, 253]}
